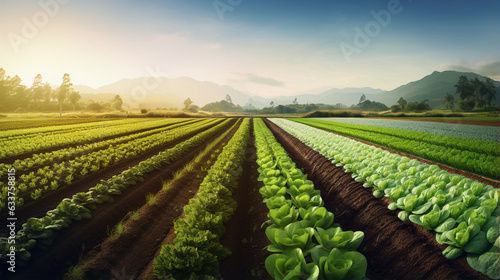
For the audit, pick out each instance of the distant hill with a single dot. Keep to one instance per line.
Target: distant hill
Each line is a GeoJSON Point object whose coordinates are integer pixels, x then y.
{"type": "Point", "coordinates": [148, 92]}
{"type": "Point", "coordinates": [432, 87]}
{"type": "Point", "coordinates": [345, 96]}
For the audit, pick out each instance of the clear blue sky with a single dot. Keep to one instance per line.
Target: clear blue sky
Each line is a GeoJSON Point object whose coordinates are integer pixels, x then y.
{"type": "Point", "coordinates": [272, 47]}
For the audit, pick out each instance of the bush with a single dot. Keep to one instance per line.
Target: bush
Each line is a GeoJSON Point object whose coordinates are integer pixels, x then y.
{"type": "Point", "coordinates": [144, 111]}
{"type": "Point", "coordinates": [395, 108]}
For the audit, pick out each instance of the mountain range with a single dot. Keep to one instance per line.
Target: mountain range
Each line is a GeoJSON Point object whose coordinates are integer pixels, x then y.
{"type": "Point", "coordinates": [150, 92]}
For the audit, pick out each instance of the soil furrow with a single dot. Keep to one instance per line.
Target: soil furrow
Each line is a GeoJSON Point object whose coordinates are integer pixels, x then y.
{"type": "Point", "coordinates": [449, 169]}
{"type": "Point", "coordinates": [82, 236]}
{"type": "Point", "coordinates": [394, 249]}
{"type": "Point", "coordinates": [244, 236]}
{"type": "Point", "coordinates": [131, 252]}
{"type": "Point", "coordinates": [36, 208]}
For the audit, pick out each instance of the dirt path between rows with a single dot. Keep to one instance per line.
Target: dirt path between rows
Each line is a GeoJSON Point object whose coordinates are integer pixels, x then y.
{"type": "Point", "coordinates": [131, 252]}
{"type": "Point", "coordinates": [244, 236]}
{"type": "Point", "coordinates": [38, 208]}
{"type": "Point", "coordinates": [394, 249]}
{"type": "Point", "coordinates": [449, 169]}
{"type": "Point", "coordinates": [82, 236]}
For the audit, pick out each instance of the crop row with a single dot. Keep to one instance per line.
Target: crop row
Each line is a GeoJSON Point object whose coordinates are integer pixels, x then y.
{"type": "Point", "coordinates": [36, 184]}
{"type": "Point", "coordinates": [476, 132]}
{"type": "Point", "coordinates": [463, 213]}
{"type": "Point", "coordinates": [56, 129]}
{"type": "Point", "coordinates": [196, 251]}
{"type": "Point", "coordinates": [42, 232]}
{"type": "Point", "coordinates": [27, 123]}
{"type": "Point", "coordinates": [67, 153]}
{"type": "Point", "coordinates": [485, 162]}
{"type": "Point", "coordinates": [458, 143]}
{"type": "Point", "coordinates": [35, 142]}
{"type": "Point", "coordinates": [300, 227]}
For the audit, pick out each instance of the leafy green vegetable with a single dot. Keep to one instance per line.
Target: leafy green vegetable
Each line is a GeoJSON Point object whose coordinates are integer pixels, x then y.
{"type": "Point", "coordinates": [294, 235]}
{"type": "Point", "coordinates": [336, 264]}
{"type": "Point", "coordinates": [334, 237]}
{"type": "Point", "coordinates": [283, 216]}
{"type": "Point", "coordinates": [318, 216]}
{"type": "Point", "coordinates": [291, 265]}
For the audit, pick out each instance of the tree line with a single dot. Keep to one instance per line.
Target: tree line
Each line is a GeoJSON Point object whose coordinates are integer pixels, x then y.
{"type": "Point", "coordinates": [41, 96]}
{"type": "Point", "coordinates": [472, 94]}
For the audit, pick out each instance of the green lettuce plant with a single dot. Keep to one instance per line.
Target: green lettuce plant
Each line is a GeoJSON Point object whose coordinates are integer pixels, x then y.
{"type": "Point", "coordinates": [338, 264]}
{"type": "Point", "coordinates": [283, 216]}
{"type": "Point", "coordinates": [317, 216]}
{"type": "Point", "coordinates": [291, 264]}
{"type": "Point", "coordinates": [295, 235]}
{"type": "Point", "coordinates": [334, 237]}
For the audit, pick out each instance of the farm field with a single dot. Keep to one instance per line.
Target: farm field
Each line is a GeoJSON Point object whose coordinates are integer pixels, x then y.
{"type": "Point", "coordinates": [477, 132]}
{"type": "Point", "coordinates": [248, 198]}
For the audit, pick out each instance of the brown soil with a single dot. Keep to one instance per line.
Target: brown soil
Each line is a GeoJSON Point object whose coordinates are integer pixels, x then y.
{"type": "Point", "coordinates": [128, 254]}
{"type": "Point", "coordinates": [38, 208]}
{"type": "Point", "coordinates": [244, 236]}
{"type": "Point", "coordinates": [449, 169]}
{"type": "Point", "coordinates": [394, 249]}
{"type": "Point", "coordinates": [471, 122]}
{"type": "Point", "coordinates": [82, 236]}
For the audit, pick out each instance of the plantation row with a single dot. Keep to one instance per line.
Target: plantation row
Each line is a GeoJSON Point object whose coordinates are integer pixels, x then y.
{"type": "Point", "coordinates": [300, 227]}
{"type": "Point", "coordinates": [59, 129]}
{"type": "Point", "coordinates": [301, 239]}
{"type": "Point", "coordinates": [44, 140]}
{"type": "Point", "coordinates": [196, 250]}
{"type": "Point", "coordinates": [480, 157]}
{"type": "Point", "coordinates": [475, 132]}
{"type": "Point", "coordinates": [67, 153]}
{"type": "Point", "coordinates": [37, 123]}
{"type": "Point", "coordinates": [49, 178]}
{"type": "Point", "coordinates": [42, 232]}
{"type": "Point", "coordinates": [463, 213]}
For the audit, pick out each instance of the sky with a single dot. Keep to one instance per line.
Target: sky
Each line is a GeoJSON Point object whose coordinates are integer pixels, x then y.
{"type": "Point", "coordinates": [261, 47]}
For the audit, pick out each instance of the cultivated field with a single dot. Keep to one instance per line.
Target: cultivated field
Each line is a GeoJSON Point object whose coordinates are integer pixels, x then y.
{"type": "Point", "coordinates": [248, 198]}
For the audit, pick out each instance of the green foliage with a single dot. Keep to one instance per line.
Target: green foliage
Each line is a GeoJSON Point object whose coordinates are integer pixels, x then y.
{"type": "Point", "coordinates": [42, 232]}
{"type": "Point", "coordinates": [291, 265]}
{"type": "Point", "coordinates": [338, 264]}
{"type": "Point", "coordinates": [298, 222]}
{"type": "Point", "coordinates": [463, 213]}
{"type": "Point", "coordinates": [473, 155]}
{"type": "Point", "coordinates": [196, 251]}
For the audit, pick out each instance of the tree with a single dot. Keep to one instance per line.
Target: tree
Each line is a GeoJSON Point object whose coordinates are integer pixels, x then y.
{"type": "Point", "coordinates": [402, 103]}
{"type": "Point", "coordinates": [272, 104]}
{"type": "Point", "coordinates": [187, 104]}
{"type": "Point", "coordinates": [480, 93]}
{"type": "Point", "coordinates": [449, 101]}
{"type": "Point", "coordinates": [63, 91]}
{"type": "Point", "coordinates": [491, 91]}
{"type": "Point", "coordinates": [193, 109]}
{"type": "Point", "coordinates": [37, 89]}
{"type": "Point", "coordinates": [4, 90]}
{"type": "Point", "coordinates": [117, 103]}
{"type": "Point", "coordinates": [228, 99]}
{"type": "Point", "coordinates": [395, 108]}
{"type": "Point", "coordinates": [74, 97]}
{"type": "Point", "coordinates": [363, 98]}
{"type": "Point", "coordinates": [464, 88]}
{"type": "Point", "coordinates": [295, 102]}
{"type": "Point", "coordinates": [466, 104]}
{"type": "Point", "coordinates": [18, 93]}
{"type": "Point", "coordinates": [46, 92]}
